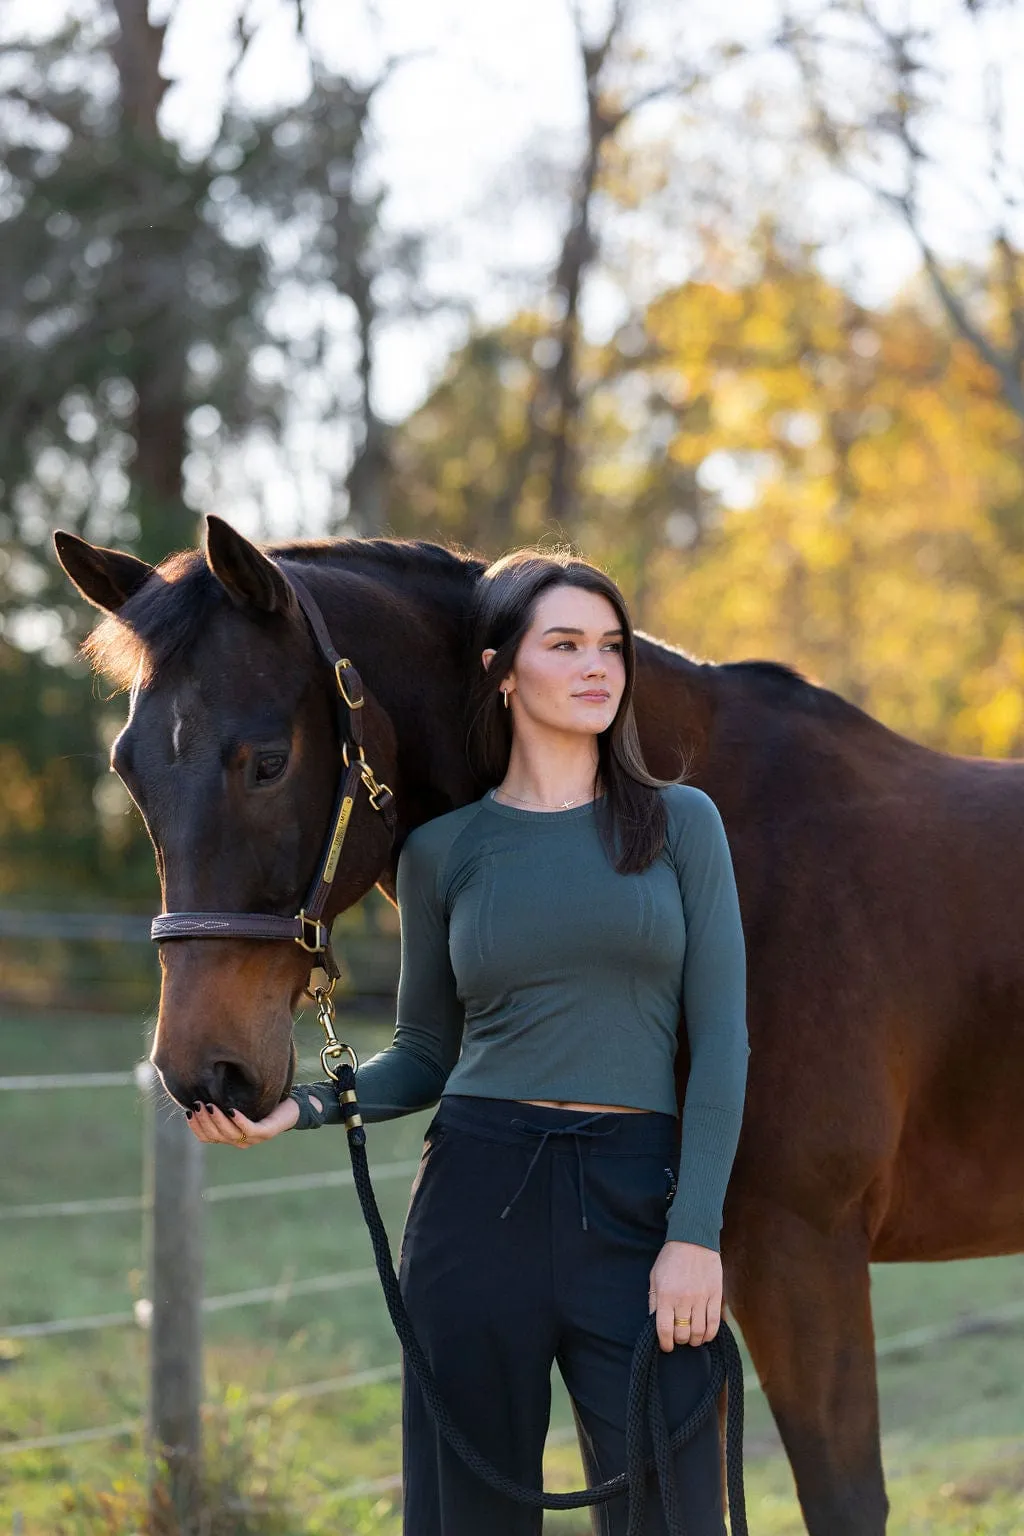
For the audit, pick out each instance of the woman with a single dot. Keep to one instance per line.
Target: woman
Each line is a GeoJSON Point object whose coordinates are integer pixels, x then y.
{"type": "Point", "coordinates": [549, 933]}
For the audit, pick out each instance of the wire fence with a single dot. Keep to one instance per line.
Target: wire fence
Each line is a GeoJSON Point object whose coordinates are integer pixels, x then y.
{"type": "Point", "coordinates": [140, 1316]}
{"type": "Point", "coordinates": [288, 1184]}
{"type": "Point", "coordinates": [905, 1343]}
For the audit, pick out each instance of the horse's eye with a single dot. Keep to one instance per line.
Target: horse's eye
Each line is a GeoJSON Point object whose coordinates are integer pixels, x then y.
{"type": "Point", "coordinates": [270, 766]}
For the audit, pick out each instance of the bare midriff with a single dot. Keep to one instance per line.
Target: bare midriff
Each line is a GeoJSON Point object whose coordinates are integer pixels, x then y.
{"type": "Point", "coordinates": [611, 1109]}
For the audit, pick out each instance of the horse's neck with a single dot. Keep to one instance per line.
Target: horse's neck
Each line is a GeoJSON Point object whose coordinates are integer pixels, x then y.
{"type": "Point", "coordinates": [676, 702]}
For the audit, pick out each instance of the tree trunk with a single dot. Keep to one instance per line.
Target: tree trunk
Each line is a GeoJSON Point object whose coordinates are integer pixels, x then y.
{"type": "Point", "coordinates": [154, 262]}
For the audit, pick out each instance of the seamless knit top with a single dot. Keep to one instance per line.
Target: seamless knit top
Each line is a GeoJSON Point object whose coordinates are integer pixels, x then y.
{"type": "Point", "coordinates": [532, 969]}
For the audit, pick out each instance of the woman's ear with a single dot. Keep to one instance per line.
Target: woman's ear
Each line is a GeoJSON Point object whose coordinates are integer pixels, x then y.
{"type": "Point", "coordinates": [487, 656]}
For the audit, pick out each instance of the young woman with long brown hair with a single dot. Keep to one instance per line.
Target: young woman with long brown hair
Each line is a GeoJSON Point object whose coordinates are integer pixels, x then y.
{"type": "Point", "coordinates": [550, 931]}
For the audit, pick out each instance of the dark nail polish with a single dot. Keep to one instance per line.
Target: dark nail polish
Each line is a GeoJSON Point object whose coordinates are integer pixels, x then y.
{"type": "Point", "coordinates": [209, 1108]}
{"type": "Point", "coordinates": [197, 1105]}
{"type": "Point", "coordinates": [231, 1114]}
{"type": "Point", "coordinates": [188, 1114]}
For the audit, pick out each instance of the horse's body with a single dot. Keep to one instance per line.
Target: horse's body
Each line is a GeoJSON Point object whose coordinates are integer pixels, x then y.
{"type": "Point", "coordinates": [881, 901]}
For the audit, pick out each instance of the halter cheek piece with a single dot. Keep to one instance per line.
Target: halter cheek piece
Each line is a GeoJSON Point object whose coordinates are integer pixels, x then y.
{"type": "Point", "coordinates": [308, 927]}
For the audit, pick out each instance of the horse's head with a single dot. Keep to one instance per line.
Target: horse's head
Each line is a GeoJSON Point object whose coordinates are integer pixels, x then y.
{"type": "Point", "coordinates": [230, 753]}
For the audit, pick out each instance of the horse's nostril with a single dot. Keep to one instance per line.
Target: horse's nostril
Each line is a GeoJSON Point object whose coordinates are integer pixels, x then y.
{"type": "Point", "coordinates": [230, 1086]}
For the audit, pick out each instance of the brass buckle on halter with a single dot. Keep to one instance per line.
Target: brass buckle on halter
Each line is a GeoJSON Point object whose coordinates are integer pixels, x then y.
{"type": "Point", "coordinates": [320, 935]}
{"type": "Point", "coordinates": [339, 667]}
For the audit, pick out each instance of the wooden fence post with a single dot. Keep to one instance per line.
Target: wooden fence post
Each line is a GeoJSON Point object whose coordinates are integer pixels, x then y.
{"type": "Point", "coordinates": [174, 1184]}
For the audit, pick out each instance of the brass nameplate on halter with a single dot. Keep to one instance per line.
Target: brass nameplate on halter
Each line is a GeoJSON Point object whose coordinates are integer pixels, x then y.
{"type": "Point", "coordinates": [334, 853]}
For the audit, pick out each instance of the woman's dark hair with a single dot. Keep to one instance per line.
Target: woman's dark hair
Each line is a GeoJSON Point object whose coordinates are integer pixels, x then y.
{"type": "Point", "coordinates": [632, 820]}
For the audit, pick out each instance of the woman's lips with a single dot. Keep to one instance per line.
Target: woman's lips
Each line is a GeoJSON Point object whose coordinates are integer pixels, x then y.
{"type": "Point", "coordinates": [595, 698]}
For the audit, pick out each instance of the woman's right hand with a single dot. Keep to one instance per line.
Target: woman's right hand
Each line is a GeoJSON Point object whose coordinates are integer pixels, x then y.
{"type": "Point", "coordinates": [209, 1123]}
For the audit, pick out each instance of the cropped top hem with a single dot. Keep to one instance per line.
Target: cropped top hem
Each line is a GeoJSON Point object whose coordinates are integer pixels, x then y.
{"type": "Point", "coordinates": [479, 1088]}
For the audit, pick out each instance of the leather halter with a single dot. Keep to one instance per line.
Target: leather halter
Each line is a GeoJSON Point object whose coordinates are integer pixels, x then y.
{"type": "Point", "coordinates": [307, 928]}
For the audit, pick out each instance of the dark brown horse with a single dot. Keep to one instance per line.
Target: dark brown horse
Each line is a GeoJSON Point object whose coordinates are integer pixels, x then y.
{"type": "Point", "coordinates": [880, 885]}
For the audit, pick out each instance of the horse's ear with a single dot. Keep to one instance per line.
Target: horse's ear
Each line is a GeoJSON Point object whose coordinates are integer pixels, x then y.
{"type": "Point", "coordinates": [107, 578]}
{"type": "Point", "coordinates": [248, 577]}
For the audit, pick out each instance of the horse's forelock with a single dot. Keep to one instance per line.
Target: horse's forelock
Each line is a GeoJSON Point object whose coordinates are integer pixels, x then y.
{"type": "Point", "coordinates": [158, 624]}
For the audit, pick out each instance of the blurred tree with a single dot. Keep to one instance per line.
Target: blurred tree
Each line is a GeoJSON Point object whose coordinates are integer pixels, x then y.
{"type": "Point", "coordinates": [161, 311]}
{"type": "Point", "coordinates": [877, 85]}
{"type": "Point", "coordinates": [771, 469]}
{"type": "Point", "coordinates": [862, 477]}
{"type": "Point", "coordinates": [452, 458]}
{"type": "Point", "coordinates": [620, 75]}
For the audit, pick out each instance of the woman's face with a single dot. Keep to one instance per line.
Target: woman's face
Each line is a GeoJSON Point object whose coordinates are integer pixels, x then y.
{"type": "Point", "coordinates": [569, 673]}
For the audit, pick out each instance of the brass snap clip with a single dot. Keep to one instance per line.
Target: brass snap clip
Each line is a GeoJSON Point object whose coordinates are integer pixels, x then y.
{"type": "Point", "coordinates": [334, 1051]}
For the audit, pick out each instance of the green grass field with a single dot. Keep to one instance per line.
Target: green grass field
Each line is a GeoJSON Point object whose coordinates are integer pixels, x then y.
{"type": "Point", "coordinates": [953, 1413]}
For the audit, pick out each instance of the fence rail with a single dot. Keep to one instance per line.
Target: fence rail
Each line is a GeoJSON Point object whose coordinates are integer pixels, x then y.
{"type": "Point", "coordinates": [282, 1291]}
{"type": "Point", "coordinates": [88, 927]}
{"type": "Point", "coordinates": [213, 1194]}
{"type": "Point", "coordinates": [45, 1082]}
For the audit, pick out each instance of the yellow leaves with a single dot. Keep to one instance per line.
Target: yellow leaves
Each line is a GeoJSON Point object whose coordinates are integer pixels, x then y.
{"type": "Point", "coordinates": [871, 469]}
{"type": "Point", "coordinates": [998, 722]}
{"type": "Point", "coordinates": [910, 465]}
{"type": "Point", "coordinates": [886, 528]}
{"type": "Point", "coordinates": [992, 720]}
{"type": "Point", "coordinates": [739, 400]}
{"type": "Point", "coordinates": [767, 331]}
{"type": "Point", "coordinates": [823, 548]}
{"type": "Point", "coordinates": [689, 322]}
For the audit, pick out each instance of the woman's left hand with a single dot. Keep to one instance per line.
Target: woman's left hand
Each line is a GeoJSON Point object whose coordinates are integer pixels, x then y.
{"type": "Point", "coordinates": [686, 1294]}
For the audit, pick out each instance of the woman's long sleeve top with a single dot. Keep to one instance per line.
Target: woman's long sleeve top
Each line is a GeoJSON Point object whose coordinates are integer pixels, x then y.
{"type": "Point", "coordinates": [531, 969]}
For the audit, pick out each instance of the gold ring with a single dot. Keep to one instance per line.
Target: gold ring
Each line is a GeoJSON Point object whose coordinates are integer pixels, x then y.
{"type": "Point", "coordinates": [244, 1137]}
{"type": "Point", "coordinates": [681, 1322]}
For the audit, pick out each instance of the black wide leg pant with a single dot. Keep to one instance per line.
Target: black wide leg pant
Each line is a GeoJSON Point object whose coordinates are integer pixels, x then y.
{"type": "Point", "coordinates": [528, 1242]}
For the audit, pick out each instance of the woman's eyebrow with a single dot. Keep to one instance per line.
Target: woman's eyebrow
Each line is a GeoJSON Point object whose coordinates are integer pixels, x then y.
{"type": "Point", "coordinates": [564, 629]}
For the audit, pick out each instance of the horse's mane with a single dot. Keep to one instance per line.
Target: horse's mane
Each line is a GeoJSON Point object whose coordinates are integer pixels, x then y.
{"type": "Point", "coordinates": [395, 555]}
{"type": "Point", "coordinates": [771, 682]}
{"type": "Point", "coordinates": [158, 625]}
{"type": "Point", "coordinates": [776, 683]}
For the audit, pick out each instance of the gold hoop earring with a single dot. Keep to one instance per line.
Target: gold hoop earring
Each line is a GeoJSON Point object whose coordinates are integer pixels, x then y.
{"type": "Point", "coordinates": [504, 694]}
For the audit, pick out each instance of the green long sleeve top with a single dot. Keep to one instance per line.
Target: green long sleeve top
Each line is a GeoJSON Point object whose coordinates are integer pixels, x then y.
{"type": "Point", "coordinates": [531, 969]}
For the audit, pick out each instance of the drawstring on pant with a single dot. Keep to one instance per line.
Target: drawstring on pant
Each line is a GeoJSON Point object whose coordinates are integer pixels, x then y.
{"type": "Point", "coordinates": [577, 1129]}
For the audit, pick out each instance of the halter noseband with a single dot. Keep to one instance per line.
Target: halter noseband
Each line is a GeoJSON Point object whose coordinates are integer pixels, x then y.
{"type": "Point", "coordinates": [307, 928]}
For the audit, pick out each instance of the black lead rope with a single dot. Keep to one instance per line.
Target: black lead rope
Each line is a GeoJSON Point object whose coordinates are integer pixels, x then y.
{"type": "Point", "coordinates": [644, 1408]}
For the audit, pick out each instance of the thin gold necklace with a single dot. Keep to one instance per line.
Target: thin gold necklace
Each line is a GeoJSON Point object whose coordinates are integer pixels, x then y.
{"type": "Point", "coordinates": [565, 805]}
